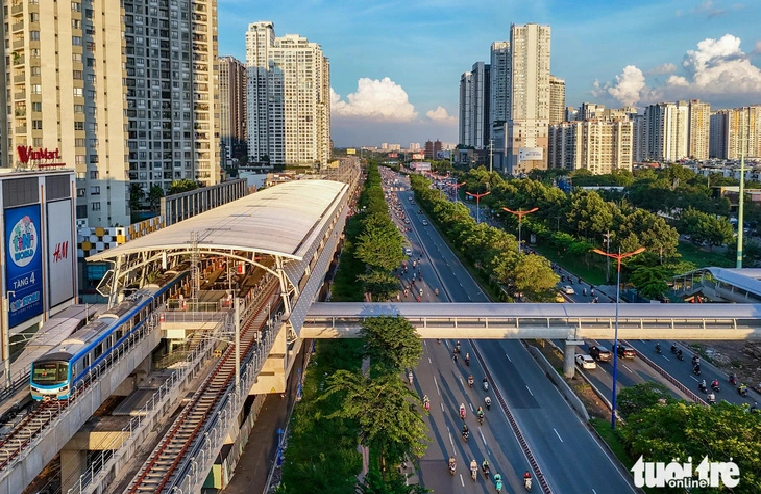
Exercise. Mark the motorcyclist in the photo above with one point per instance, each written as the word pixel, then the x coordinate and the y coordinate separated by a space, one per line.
pixel 584 291
pixel 703 385
pixel 733 378
pixel 673 348
pixel 462 410
pixel 711 398
pixel 679 354
pixel 485 467
pixel 743 389
pixel 452 464
pixel 715 383
pixel 657 348
pixel 470 381
pixel 467 358
pixel 410 377
pixel 436 291
pixel 457 346
pixel 486 384
pixel 696 369
pixel 497 481
pixel 473 468
pixel 465 432
pixel 454 356
pixel 527 480
pixel 488 403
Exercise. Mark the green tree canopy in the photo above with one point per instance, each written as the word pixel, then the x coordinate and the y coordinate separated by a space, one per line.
pixel 391 343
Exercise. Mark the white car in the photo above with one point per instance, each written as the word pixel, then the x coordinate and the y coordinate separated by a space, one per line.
pixel 425 222
pixel 585 361
pixel 567 290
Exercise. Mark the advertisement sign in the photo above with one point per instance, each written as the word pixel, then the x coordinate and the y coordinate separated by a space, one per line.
pixel 442 155
pixel 393 155
pixel 530 154
pixel 23 263
pixel 351 151
pixel 418 156
pixel 60 251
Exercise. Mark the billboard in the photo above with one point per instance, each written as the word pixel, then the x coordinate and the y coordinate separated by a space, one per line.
pixel 530 154
pixel 23 263
pixel 351 151
pixel 418 156
pixel 61 252
pixel 442 155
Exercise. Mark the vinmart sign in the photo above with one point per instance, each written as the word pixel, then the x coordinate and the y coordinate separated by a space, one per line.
pixel 27 154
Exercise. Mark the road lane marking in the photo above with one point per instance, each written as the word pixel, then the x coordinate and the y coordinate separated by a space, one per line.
pixel 450 440
pixel 442 406
pixel 532 394
pixel 693 377
pixel 594 491
pixel 462 481
pixel 625 367
pixel 508 359
pixel 461 381
pixel 437 385
pixel 667 359
pixel 471 406
pixel 429 360
pixel 483 438
pixel 556 432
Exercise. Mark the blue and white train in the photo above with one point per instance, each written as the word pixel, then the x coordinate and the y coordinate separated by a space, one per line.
pixel 57 372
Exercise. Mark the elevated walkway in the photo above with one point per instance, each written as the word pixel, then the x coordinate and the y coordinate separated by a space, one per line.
pixel 742 286
pixel 555 321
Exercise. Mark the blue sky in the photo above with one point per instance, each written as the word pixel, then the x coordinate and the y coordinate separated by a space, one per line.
pixel 396 65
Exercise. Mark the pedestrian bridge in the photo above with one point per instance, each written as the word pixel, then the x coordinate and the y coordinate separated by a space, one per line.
pixel 557 321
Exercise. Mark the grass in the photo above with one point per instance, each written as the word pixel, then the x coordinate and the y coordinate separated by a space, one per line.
pixel 613 440
pixel 703 258
pixel 593 274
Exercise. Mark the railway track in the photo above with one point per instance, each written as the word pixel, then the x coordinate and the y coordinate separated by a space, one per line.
pixel 28 428
pixel 159 471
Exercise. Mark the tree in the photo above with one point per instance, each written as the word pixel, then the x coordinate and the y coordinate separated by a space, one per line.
pixel 136 196
pixel 380 245
pixel 394 484
pixel 183 185
pixel 704 227
pixel 533 276
pixel 391 343
pixel 387 411
pixel 650 282
pixel 155 194
pixel 635 398
pixel 588 213
pixel 380 283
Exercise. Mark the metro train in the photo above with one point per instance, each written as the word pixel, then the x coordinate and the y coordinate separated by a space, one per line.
pixel 62 368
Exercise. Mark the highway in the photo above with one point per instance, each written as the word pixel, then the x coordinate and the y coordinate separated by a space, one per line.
pixel 565 449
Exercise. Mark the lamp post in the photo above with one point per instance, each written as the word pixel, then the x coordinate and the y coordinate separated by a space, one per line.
pixel 520 214
pixel 456 188
pixel 618 258
pixel 7 339
pixel 478 201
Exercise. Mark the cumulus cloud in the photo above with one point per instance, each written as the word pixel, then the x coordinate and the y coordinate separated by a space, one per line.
pixel 664 68
pixel 717 69
pixel 627 88
pixel 377 100
pixel 440 115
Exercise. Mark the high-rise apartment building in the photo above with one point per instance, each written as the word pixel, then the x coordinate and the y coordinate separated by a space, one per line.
pixel 666 129
pixel 474 111
pixel 744 132
pixel 64 91
pixel 232 106
pixel 172 91
pixel 288 98
pixel 594 145
pixel 557 100
pixel 571 114
pixel 432 149
pixel 699 129
pixel 529 98
pixel 718 134
pixel 499 86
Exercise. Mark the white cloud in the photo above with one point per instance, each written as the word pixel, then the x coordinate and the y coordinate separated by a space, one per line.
pixel 664 68
pixel 707 7
pixel 377 100
pixel 627 88
pixel 440 115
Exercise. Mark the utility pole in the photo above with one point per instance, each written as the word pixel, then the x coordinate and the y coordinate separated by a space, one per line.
pixel 607 245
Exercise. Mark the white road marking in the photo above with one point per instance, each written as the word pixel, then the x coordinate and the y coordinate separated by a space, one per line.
pixel 471 406
pixel 532 394
pixel 556 432
pixel 462 481
pixel 442 407
pixel 643 341
pixel 594 491
pixel 461 381
pixel 508 359
pixel 625 367
pixel 437 385
pixel 693 377
pixel 483 438
pixel 429 360
pixel 470 298
pixel 450 440
pixel 667 359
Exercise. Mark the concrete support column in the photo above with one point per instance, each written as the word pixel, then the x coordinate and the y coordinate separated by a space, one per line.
pixel 73 464
pixel 568 355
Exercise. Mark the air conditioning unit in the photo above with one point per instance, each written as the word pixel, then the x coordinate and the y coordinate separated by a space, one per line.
pixel 81 223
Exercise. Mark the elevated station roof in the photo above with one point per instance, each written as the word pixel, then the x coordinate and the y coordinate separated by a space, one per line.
pixel 748 279
pixel 283 220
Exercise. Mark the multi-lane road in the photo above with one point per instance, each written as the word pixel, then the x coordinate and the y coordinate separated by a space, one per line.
pixel 569 456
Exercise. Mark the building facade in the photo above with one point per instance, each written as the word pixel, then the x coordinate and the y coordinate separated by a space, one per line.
pixel 475 101
pixel 288 98
pixel 744 132
pixel 432 149
pixel 172 92
pixel 699 130
pixel 232 106
pixel 717 147
pixel 666 131
pixel 499 86
pixel 557 100
pixel 63 97
pixel 529 98
pixel 596 146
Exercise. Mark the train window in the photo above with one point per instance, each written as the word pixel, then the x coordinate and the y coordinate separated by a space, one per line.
pixel 98 351
pixel 49 372
pixel 86 362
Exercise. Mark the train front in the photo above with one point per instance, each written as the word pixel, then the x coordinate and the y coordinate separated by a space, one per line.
pixel 50 377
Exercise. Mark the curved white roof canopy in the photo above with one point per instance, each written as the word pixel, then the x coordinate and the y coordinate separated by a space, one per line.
pixel 283 220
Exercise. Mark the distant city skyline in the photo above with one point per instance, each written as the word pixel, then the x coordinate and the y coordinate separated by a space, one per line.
pixel 402 85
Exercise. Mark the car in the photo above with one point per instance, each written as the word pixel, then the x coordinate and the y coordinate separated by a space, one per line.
pixel 600 353
pixel 559 298
pixel 626 352
pixel 425 222
pixel 407 221
pixel 408 251
pixel 585 361
pixel 568 290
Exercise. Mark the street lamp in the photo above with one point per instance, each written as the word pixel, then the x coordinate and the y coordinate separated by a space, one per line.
pixel 478 200
pixel 520 214
pixel 456 195
pixel 7 338
pixel 618 258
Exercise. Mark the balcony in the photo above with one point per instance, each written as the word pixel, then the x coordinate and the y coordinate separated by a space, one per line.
pixel 18 44
pixel 21 112
pixel 19 78
pixel 17 9
pixel 19 26
pixel 21 130
pixel 21 95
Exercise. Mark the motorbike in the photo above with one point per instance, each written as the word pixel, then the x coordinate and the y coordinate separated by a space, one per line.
pixel 527 483
pixel 486 385
pixel 702 388
pixel 711 399
pixel 470 381
pixel 498 482
pixel 481 419
pixel 680 356
pixel 674 349
pixel 486 469
pixel 467 361
pixel 452 466
pixel 732 380
pixel 488 403
pixel 462 413
pixel 742 391
pixel 465 436
pixel 696 370
pixel 657 349
pixel 426 406
pixel 715 387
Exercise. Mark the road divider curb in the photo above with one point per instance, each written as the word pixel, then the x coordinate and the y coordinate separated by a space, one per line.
pixel 560 383
pixel 513 423
pixel 684 389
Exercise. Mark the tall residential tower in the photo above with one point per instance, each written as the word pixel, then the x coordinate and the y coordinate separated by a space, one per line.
pixel 475 129
pixel 557 100
pixel 232 106
pixel 288 98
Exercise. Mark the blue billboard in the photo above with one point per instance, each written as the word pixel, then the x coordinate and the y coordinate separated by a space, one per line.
pixel 23 263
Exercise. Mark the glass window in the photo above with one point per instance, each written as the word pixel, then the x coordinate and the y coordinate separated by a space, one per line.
pixel 50 372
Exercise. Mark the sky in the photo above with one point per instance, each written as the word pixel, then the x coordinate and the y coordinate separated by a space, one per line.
pixel 395 65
